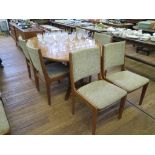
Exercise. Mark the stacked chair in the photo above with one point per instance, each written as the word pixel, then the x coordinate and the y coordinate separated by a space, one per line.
pixel 99 94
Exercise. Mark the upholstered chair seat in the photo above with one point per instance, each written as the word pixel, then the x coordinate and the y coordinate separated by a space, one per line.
pixel 101 93
pixel 4 125
pixel 56 69
pixel 127 80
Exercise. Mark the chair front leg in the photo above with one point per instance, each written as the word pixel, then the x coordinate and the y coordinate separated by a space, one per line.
pixel 143 93
pixel 48 93
pixel 73 103
pixel 121 108
pixel 94 120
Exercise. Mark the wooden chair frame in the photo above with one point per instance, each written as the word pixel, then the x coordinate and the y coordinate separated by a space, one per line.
pixel 94 110
pixel 104 73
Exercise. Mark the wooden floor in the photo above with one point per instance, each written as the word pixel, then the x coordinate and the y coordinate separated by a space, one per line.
pixel 28 112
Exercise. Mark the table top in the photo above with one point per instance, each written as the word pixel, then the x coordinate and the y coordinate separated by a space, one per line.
pixel 62 55
pixel 32 29
pixel 122 25
pixel 147 43
pixel 50 28
pixel 145 30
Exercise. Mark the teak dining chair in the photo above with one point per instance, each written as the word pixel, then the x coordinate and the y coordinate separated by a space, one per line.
pixel 102 39
pixel 98 94
pixel 22 44
pixel 114 56
pixel 49 73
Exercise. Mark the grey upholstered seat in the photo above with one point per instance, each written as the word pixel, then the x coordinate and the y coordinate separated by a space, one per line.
pixel 127 80
pixel 4 125
pixel 101 93
pixel 56 69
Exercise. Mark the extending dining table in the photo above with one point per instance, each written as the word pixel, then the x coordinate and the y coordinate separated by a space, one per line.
pixel 61 54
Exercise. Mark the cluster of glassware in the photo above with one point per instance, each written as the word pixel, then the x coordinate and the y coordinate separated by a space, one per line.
pixel 128 33
pixel 61 42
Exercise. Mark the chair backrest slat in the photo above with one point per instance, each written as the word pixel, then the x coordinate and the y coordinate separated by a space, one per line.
pixel 85 62
pixel 102 39
pixel 113 55
pixel 22 44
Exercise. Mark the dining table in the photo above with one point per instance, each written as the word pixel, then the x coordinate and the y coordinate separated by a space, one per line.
pixel 59 50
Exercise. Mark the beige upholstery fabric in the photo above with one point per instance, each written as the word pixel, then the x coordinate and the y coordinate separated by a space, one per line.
pixel 56 69
pixel 127 80
pixel 34 55
pixel 113 54
pixel 86 62
pixel 22 44
pixel 102 39
pixel 4 125
pixel 101 93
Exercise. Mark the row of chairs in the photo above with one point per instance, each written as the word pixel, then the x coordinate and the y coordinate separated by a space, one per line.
pixel 47 73
pixel 99 94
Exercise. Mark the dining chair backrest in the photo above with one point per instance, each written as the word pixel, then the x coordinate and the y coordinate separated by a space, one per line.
pixel 22 44
pixel 84 63
pixel 102 39
pixel 113 55
pixel 36 58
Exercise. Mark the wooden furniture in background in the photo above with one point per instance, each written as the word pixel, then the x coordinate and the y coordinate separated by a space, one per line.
pixel 16 31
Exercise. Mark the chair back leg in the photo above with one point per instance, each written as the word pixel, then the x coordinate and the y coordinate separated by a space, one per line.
pixel 28 68
pixel 94 120
pixel 121 108
pixel 143 93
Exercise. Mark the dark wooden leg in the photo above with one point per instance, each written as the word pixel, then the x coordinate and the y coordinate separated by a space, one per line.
pixel 121 108
pixel 68 93
pixel 36 79
pixel 59 81
pixel 90 79
pixel 73 104
pixel 143 93
pixel 28 68
pixel 94 120
pixel 1 65
pixel 48 93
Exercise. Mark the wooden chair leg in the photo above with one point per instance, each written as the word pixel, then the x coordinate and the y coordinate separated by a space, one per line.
pixel 143 93
pixel 90 79
pixel 36 79
pixel 73 104
pixel 68 93
pixel 29 70
pixel 121 108
pixel 94 120
pixel 48 93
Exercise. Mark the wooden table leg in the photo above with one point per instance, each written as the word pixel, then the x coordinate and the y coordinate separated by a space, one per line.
pixel 1 65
